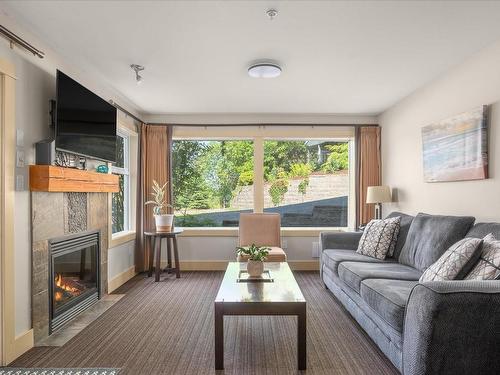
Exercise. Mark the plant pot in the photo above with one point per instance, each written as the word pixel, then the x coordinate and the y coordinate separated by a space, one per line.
pixel 255 268
pixel 164 222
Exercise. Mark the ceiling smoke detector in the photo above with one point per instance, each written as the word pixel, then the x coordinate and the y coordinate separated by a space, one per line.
pixel 137 68
pixel 264 70
pixel 272 13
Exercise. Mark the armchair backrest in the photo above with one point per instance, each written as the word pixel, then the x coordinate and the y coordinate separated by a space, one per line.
pixel 262 229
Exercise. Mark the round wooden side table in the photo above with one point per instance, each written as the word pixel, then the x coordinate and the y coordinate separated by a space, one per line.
pixel 155 249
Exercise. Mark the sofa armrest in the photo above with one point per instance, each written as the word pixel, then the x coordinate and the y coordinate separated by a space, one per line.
pixel 339 240
pixel 452 327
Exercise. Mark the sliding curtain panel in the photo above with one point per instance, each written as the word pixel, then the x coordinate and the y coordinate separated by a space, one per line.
pixel 368 169
pixel 155 147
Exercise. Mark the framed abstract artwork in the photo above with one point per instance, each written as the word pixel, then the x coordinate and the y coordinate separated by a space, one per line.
pixel 456 149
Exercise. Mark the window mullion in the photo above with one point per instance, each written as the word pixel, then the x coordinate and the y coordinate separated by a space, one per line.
pixel 258 179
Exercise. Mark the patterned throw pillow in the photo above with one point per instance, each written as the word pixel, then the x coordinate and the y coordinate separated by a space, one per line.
pixel 379 237
pixel 455 262
pixel 488 266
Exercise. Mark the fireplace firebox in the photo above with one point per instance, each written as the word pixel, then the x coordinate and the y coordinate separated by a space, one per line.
pixel 73 275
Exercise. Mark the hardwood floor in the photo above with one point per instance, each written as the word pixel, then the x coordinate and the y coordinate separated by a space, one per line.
pixel 167 328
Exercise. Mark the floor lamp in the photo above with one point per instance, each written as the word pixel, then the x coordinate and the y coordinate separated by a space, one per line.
pixel 378 195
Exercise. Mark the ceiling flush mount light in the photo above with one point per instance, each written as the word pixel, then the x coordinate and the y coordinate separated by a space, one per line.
pixel 137 68
pixel 264 70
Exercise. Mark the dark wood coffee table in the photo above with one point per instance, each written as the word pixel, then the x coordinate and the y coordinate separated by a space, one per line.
pixel 281 297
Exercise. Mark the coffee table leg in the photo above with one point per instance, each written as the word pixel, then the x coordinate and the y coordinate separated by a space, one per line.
pixel 158 258
pixel 302 339
pixel 219 337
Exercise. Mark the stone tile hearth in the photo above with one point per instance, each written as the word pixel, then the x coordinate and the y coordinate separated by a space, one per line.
pixel 56 215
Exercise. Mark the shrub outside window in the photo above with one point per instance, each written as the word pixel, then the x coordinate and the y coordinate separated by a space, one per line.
pixel 121 200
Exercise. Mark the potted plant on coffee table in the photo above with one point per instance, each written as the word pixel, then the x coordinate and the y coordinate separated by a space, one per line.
pixel 163 220
pixel 256 257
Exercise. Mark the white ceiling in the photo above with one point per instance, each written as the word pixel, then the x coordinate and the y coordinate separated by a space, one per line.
pixel 337 57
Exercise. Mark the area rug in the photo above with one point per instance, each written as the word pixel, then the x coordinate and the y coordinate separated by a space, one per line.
pixel 58 371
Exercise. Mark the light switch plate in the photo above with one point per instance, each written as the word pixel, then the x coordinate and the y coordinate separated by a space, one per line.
pixel 20 163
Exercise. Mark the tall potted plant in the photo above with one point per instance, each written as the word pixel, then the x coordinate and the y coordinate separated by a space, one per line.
pixel 163 220
pixel 256 257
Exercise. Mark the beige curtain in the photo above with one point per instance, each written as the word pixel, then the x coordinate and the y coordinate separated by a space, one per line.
pixel 368 169
pixel 154 164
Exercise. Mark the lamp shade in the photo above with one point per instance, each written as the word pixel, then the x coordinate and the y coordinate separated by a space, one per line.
pixel 378 194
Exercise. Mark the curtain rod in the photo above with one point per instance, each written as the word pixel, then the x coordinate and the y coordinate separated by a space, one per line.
pixel 14 39
pixel 119 107
pixel 259 124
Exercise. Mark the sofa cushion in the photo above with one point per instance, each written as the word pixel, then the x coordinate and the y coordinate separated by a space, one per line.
pixel 430 236
pixel 404 227
pixel 353 273
pixel 480 230
pixel 379 237
pixel 332 258
pixel 456 262
pixel 388 299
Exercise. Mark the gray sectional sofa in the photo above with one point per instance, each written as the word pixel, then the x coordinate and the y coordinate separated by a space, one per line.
pixel 446 327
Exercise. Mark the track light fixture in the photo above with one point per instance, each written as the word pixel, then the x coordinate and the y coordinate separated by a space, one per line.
pixel 137 68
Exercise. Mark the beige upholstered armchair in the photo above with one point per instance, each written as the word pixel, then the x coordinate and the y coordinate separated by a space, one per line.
pixel 262 230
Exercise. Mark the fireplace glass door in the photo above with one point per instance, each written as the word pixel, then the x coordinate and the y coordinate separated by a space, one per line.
pixel 74 273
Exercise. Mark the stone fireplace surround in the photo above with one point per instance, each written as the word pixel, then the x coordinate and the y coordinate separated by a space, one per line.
pixel 55 215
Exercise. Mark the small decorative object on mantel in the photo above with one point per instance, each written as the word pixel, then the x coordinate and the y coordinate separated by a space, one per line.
pixel 456 149
pixel 163 220
pixel 256 257
pixel 103 168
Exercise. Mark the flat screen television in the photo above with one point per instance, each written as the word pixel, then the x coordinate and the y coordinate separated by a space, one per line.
pixel 85 123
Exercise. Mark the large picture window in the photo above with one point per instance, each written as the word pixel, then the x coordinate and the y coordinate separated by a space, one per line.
pixel 121 200
pixel 304 174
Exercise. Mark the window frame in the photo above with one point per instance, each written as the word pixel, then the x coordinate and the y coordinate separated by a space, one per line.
pixel 259 134
pixel 129 170
pixel 125 172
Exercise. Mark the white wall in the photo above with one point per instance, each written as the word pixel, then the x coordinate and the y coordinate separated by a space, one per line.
pixel 120 259
pixel 472 83
pixel 34 88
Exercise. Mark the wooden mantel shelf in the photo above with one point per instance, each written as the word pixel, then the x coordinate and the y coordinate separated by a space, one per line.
pixel 50 178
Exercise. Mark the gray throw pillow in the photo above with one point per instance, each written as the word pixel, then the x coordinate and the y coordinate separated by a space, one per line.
pixel 379 237
pixel 455 262
pixel 488 266
pixel 430 236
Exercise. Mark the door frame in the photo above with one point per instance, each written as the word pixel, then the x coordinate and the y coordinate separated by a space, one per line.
pixel 10 347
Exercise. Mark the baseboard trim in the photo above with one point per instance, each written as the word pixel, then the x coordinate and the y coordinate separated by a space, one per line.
pixel 121 279
pixel 22 343
pixel 220 265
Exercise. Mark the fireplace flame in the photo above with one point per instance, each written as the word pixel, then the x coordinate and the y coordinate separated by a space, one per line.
pixel 61 283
